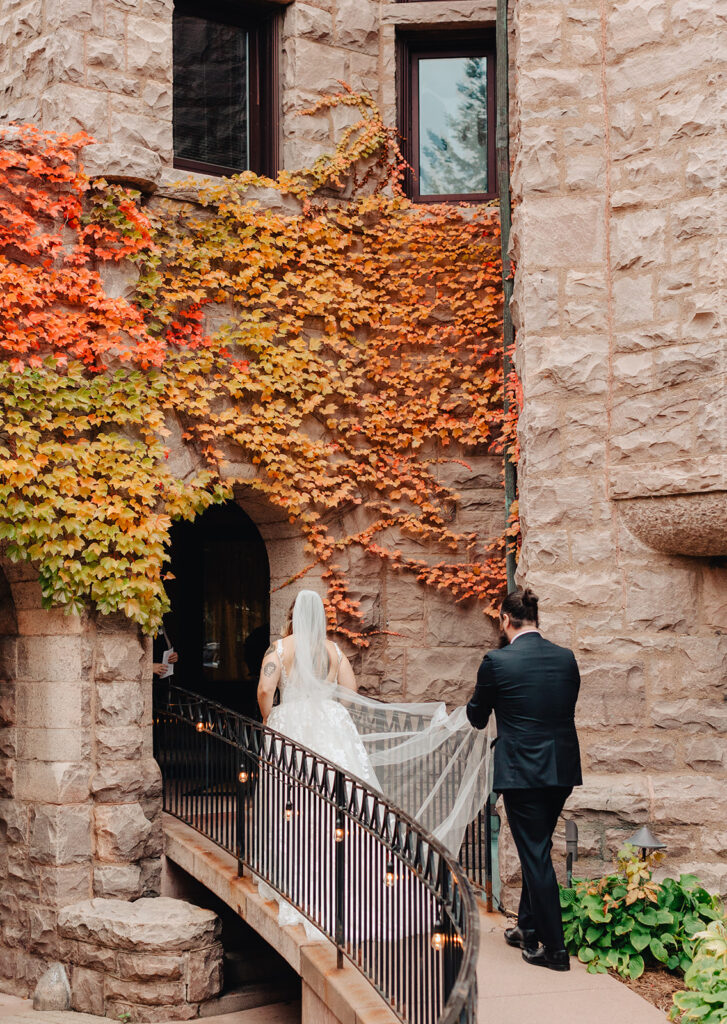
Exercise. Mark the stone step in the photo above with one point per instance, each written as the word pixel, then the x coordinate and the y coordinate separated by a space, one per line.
pixel 249 997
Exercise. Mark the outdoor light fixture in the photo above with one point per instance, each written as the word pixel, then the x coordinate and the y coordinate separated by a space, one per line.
pixel 571 848
pixel 243 776
pixel 288 811
pixel 390 877
pixel 200 725
pixel 438 937
pixel 646 841
pixel 339 833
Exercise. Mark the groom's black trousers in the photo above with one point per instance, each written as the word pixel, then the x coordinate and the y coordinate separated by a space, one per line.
pixel 532 815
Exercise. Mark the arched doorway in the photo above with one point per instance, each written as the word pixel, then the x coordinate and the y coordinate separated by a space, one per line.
pixel 220 596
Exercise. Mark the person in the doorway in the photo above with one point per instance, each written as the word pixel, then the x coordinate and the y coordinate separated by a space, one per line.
pixel 532 686
pixel 161 644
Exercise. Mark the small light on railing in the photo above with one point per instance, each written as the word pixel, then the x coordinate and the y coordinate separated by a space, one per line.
pixel 200 725
pixel 339 833
pixel 289 811
pixel 243 775
pixel 390 877
pixel 438 937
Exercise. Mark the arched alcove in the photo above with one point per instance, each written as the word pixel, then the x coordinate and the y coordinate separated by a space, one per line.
pixel 219 621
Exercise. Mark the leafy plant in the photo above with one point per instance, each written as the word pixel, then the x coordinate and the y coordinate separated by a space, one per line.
pixel 626 920
pixel 706 997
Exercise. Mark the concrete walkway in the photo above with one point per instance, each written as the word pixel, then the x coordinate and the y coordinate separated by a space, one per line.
pixel 20 1011
pixel 510 991
pixel 513 992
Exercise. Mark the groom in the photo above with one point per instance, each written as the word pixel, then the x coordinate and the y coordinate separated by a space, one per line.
pixel 532 686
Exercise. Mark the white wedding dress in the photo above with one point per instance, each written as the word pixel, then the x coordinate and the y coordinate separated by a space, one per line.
pixel 432 765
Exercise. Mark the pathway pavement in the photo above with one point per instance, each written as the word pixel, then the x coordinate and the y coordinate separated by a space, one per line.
pixel 513 992
pixel 20 1011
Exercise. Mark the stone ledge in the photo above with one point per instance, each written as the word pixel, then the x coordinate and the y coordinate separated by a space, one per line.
pixel 346 993
pixel 680 524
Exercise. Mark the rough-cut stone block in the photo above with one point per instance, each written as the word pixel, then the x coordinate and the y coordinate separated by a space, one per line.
pixel 50 704
pixel 204 974
pixel 119 704
pixel 561 232
pixel 119 744
pixel 303 21
pixel 649 753
pixel 117 881
pixel 61 835
pixel 148 47
pixel 633 24
pixel 539 35
pixel 623 796
pixel 119 657
pixel 42 935
pixel 357 25
pixel 662 600
pixel 148 925
pixel 127 781
pixel 147 993
pixel 689 715
pixel 87 991
pixel 57 782
pixel 73 108
pixel 97 958
pixel 57 660
pixel 147 967
pixel 122 832
pixel 689 799
pixel 61 884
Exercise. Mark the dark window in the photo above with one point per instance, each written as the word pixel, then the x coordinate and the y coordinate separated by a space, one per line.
pixel 225 88
pixel 447 116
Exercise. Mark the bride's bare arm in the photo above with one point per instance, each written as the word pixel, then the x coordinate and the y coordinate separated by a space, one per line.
pixel 269 679
pixel 345 675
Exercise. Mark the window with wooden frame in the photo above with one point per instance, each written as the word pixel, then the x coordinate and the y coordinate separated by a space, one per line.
pixel 225 87
pixel 447 115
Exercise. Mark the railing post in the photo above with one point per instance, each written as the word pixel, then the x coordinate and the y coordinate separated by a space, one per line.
pixel 488 855
pixel 340 865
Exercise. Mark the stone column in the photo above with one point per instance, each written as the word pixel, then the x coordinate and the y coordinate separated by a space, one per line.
pixel 80 807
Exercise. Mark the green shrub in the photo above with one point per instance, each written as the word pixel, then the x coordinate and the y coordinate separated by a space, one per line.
pixel 706 979
pixel 626 921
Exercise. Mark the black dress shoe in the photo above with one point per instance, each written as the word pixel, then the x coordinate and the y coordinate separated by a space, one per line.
pixel 554 959
pixel 522 938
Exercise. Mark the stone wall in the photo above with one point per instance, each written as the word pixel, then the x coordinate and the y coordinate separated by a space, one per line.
pixel 620 209
pixel 80 792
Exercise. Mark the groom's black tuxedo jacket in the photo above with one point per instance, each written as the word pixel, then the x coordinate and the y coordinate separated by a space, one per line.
pixel 532 686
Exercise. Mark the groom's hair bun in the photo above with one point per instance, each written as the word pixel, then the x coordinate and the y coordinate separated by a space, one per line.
pixel 522 606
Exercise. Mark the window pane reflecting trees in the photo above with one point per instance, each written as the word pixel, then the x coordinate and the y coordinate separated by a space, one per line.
pixel 453 144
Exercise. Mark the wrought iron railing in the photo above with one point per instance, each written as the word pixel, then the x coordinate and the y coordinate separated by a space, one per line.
pixel 389 897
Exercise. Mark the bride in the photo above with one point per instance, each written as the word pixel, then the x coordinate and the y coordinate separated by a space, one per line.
pixel 430 764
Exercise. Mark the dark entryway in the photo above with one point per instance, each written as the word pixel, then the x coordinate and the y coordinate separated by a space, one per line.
pixel 220 596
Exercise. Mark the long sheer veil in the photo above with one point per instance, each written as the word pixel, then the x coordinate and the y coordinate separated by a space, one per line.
pixel 432 764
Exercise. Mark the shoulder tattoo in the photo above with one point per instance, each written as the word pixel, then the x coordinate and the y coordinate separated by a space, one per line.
pixel 270 668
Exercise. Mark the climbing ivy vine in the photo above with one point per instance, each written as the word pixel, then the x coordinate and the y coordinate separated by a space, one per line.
pixel 317 326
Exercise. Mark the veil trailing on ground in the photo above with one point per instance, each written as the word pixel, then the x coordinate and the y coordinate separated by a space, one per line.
pixel 430 763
